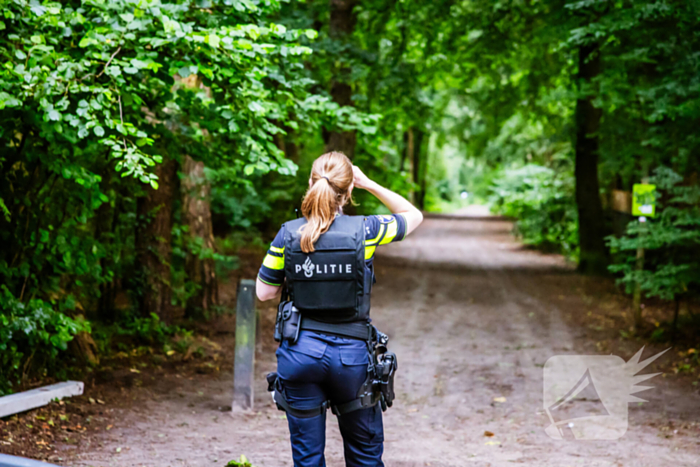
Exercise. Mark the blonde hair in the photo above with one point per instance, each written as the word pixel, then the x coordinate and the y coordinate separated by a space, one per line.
pixel 331 178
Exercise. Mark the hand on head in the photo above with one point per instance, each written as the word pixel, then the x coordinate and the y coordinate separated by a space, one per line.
pixel 360 180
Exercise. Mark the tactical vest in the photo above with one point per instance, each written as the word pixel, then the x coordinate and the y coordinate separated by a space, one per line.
pixel 333 283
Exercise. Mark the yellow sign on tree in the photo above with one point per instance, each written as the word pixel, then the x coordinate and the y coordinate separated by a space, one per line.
pixel 643 200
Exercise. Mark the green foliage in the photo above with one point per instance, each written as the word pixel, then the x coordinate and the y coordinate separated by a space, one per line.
pixel 148 330
pixel 542 201
pixel 33 334
pixel 671 242
pixel 241 462
pixel 184 245
pixel 94 94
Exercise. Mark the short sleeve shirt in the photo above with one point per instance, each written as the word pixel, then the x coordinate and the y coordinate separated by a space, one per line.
pixel 379 230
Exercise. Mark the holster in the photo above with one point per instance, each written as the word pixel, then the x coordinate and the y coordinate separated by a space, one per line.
pixel 275 386
pixel 287 324
pixel 386 369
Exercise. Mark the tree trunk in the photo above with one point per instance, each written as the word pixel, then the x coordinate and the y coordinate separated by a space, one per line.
pixel 83 346
pixel 153 241
pixel 106 231
pixel 341 27
pixel 591 224
pixel 418 169
pixel 407 142
pixel 196 214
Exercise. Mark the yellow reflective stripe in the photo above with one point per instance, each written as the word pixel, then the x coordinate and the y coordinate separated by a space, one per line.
pixel 268 283
pixel 369 251
pixel 273 262
pixel 392 227
pixel 376 239
pixel 274 249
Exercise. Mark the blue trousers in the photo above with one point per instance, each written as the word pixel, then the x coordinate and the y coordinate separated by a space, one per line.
pixel 322 367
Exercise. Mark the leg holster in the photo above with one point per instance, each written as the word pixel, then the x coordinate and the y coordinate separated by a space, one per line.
pixel 378 387
pixel 274 385
pixel 367 397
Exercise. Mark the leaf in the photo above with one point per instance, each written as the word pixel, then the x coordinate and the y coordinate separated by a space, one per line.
pixel 114 70
pixel 154 184
pixel 136 63
pixel 213 40
pixel 99 131
pixel 255 107
pixel 37 9
pixel 54 115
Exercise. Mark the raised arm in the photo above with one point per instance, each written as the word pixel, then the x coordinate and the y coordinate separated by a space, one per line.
pixel 396 203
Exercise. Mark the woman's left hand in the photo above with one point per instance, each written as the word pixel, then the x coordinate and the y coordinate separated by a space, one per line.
pixel 360 180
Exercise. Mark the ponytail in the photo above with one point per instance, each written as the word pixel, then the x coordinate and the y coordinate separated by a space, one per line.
pixel 331 179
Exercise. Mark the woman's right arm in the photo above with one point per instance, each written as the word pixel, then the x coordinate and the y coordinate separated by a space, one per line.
pixel 396 203
pixel 271 274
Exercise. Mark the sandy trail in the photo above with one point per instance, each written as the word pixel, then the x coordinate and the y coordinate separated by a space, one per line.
pixel 472 317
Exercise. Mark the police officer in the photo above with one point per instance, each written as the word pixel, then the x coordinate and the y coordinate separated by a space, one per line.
pixel 324 261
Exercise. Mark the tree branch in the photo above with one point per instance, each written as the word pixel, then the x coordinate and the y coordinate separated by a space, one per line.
pixel 109 61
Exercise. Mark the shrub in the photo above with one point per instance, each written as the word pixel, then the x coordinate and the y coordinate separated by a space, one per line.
pixel 671 242
pixel 542 202
pixel 33 335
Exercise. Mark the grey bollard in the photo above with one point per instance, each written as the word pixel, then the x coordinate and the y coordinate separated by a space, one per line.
pixel 244 362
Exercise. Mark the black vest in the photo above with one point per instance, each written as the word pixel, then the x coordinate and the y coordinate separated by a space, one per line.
pixel 333 283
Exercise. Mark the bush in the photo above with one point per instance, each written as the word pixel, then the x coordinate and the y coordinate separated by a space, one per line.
pixel 542 202
pixel 671 242
pixel 33 335
pixel 133 331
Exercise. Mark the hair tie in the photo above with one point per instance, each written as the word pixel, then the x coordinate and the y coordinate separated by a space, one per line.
pixel 327 179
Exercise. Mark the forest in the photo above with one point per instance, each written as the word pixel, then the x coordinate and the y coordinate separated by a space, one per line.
pixel 145 143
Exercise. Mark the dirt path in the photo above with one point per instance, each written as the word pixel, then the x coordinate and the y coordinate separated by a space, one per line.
pixel 472 317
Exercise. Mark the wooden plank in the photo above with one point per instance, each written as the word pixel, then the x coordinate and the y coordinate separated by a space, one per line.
pixel 27 400
pixel 12 461
pixel 244 362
